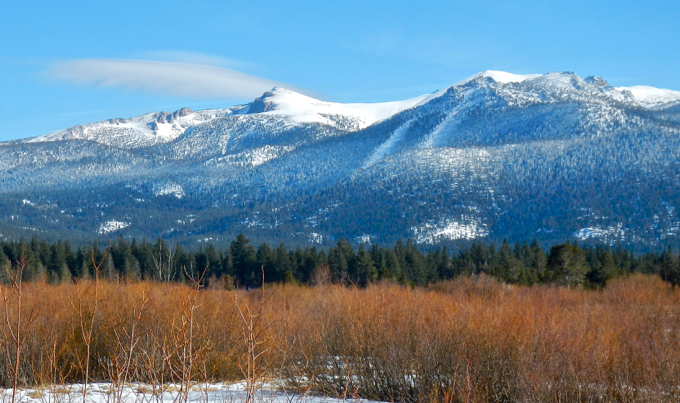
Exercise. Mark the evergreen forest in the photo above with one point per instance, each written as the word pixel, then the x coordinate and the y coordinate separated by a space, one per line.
pixel 243 265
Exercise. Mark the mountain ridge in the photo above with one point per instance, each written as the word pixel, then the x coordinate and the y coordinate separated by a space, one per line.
pixel 495 156
pixel 289 103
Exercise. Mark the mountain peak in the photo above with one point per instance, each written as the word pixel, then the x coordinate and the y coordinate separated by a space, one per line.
pixel 500 77
pixel 651 96
pixel 304 167
pixel 598 81
pixel 279 98
pixel 304 109
pixel 278 89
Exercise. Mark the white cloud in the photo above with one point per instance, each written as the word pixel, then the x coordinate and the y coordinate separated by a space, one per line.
pixel 181 56
pixel 161 77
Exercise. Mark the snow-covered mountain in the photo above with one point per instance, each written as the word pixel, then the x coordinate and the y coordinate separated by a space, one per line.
pixel 497 155
pixel 141 131
pixel 278 104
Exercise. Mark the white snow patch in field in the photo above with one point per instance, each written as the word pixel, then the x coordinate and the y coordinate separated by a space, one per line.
pixel 136 393
pixel 112 225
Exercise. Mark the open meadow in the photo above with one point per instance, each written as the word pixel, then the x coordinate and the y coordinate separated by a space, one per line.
pixel 469 339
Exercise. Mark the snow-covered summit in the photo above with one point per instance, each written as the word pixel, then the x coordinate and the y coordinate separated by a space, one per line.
pixel 651 97
pixel 554 156
pixel 303 109
pixel 282 108
pixel 500 77
pixel 141 131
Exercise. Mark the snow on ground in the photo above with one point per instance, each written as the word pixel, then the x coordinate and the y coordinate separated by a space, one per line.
pixel 315 237
pixel 365 238
pixel 430 233
pixel 163 127
pixel 139 393
pixel 650 96
pixel 140 131
pixel 500 77
pixel 608 235
pixel 112 225
pixel 385 148
pixel 303 109
pixel 174 189
pixel 252 157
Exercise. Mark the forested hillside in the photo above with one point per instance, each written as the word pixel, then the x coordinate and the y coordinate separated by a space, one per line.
pixel 553 157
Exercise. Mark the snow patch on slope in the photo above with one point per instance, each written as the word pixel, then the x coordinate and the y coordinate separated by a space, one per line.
pixel 174 189
pixel 315 237
pixel 252 158
pixel 609 235
pixel 303 109
pixel 650 96
pixel 389 144
pixel 112 225
pixel 141 131
pixel 500 77
pixel 267 153
pixel 467 228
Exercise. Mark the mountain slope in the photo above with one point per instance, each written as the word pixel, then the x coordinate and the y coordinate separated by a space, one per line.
pixel 494 156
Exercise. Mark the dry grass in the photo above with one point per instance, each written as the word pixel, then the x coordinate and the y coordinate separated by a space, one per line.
pixel 465 340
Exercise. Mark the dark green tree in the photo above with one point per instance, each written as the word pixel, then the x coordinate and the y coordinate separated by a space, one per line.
pixel 567 265
pixel 244 261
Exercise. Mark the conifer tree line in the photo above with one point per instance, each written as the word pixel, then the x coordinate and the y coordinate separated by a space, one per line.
pixel 241 264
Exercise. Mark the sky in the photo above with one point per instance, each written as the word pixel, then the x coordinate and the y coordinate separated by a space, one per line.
pixel 74 62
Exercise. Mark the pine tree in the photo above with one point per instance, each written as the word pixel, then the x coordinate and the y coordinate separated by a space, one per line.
pixel 670 270
pixel 537 268
pixel 567 265
pixel 108 271
pixel 265 259
pixel 212 261
pixel 65 274
pixel 366 272
pixel 244 260
pixel 416 267
pixel 392 266
pixel 602 267
pixel 511 268
pixel 281 263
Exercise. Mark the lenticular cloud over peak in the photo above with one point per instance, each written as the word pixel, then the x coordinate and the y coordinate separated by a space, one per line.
pixel 165 78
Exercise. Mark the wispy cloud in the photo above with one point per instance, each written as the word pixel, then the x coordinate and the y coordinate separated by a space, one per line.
pixel 173 78
pixel 181 56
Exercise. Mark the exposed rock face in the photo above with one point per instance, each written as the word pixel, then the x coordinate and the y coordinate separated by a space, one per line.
pixel 261 104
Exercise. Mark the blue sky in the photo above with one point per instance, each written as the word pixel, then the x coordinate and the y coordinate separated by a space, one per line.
pixel 72 62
